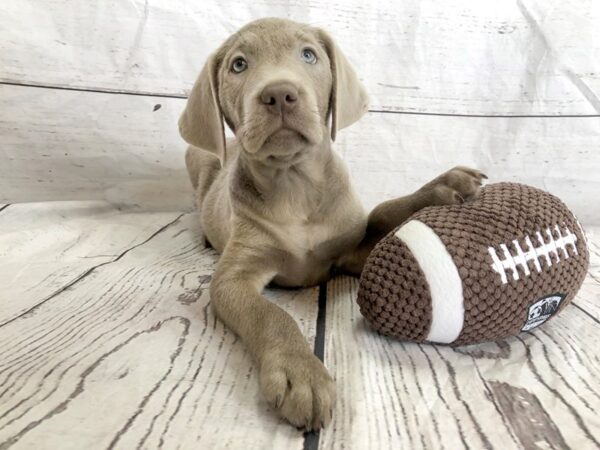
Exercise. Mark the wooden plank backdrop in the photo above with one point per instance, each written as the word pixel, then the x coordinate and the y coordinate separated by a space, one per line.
pixel 443 60
pixel 385 163
pixel 422 56
pixel 69 145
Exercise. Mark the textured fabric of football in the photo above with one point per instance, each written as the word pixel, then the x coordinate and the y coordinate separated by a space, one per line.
pixel 393 294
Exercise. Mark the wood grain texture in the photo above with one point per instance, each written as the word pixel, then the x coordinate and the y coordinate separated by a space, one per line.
pixel 65 145
pixel 527 417
pixel 390 155
pixel 539 390
pixel 589 296
pixel 46 247
pixel 464 57
pixel 131 356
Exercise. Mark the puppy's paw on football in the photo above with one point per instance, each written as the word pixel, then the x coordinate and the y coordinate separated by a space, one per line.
pixel 456 186
pixel 299 387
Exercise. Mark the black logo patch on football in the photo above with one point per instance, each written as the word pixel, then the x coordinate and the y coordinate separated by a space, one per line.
pixel 542 310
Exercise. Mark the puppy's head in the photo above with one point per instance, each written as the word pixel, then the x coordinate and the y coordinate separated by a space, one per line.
pixel 276 83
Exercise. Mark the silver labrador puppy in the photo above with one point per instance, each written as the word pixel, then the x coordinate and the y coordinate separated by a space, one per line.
pixel 277 202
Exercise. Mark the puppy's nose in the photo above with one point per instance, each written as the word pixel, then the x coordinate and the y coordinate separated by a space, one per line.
pixel 279 97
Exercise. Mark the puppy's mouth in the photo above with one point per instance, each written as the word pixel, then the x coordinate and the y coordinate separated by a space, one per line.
pixel 286 159
pixel 275 135
pixel 285 133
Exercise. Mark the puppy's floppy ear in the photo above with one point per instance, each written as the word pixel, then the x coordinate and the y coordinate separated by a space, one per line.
pixel 201 123
pixel 349 99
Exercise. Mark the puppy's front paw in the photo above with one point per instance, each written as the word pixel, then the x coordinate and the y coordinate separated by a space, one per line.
pixel 299 387
pixel 456 186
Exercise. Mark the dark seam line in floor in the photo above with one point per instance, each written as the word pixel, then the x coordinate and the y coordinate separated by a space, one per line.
pixel 322 313
pixel 4 207
pixel 311 440
pixel 377 111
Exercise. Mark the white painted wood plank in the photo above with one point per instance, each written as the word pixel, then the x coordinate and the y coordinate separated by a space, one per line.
pixel 391 155
pixel 132 356
pixel 73 145
pixel 47 246
pixel 64 145
pixel 484 57
pixel 589 296
pixel 539 390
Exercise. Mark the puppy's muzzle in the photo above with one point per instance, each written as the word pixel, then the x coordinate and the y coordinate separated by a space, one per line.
pixel 280 97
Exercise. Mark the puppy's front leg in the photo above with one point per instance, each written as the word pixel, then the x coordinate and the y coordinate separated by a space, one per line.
pixel 452 187
pixel 292 378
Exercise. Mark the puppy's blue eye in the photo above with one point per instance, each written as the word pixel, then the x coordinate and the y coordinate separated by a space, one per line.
pixel 239 65
pixel 308 56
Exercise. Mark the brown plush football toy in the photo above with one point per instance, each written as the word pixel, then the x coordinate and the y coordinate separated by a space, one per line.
pixel 481 271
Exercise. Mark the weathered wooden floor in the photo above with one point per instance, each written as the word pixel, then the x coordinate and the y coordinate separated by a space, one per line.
pixel 108 341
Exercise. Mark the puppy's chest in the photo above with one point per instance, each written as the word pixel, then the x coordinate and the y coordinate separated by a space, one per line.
pixel 314 227
pixel 312 247
pixel 317 236
pixel 304 235
pixel 302 225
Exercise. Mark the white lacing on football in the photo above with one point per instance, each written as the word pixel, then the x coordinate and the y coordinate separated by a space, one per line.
pixel 548 250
